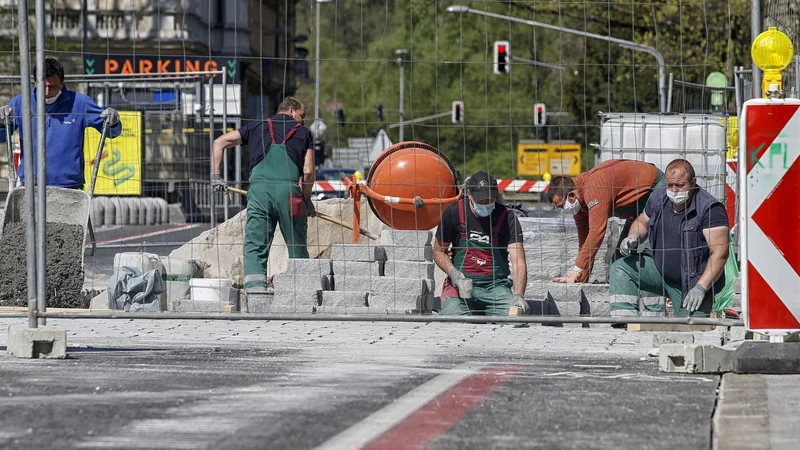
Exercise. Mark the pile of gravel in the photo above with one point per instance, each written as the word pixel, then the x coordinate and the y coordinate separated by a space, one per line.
pixel 64 271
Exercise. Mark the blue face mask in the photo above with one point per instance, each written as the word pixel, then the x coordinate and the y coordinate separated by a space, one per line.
pixel 483 210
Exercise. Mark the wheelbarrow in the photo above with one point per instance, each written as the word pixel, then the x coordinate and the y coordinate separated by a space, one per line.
pixel 64 206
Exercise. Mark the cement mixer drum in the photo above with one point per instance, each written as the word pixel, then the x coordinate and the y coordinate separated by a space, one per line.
pixel 412 170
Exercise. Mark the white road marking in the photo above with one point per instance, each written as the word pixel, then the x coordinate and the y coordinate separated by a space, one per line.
pixel 387 417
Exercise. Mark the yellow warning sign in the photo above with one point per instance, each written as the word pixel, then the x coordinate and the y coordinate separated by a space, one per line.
pixel 120 171
pixel 537 159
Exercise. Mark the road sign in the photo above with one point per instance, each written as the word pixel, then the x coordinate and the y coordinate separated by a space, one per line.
pixel 769 173
pixel 379 144
pixel 318 128
pixel 536 159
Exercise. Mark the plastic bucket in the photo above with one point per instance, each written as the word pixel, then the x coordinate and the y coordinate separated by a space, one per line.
pixel 211 290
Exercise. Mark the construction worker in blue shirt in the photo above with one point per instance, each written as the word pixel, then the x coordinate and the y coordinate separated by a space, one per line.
pixel 69 113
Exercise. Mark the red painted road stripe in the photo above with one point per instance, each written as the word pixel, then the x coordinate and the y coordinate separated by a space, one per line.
pixel 430 422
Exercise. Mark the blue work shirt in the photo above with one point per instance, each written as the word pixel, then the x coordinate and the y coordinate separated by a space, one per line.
pixel 66 121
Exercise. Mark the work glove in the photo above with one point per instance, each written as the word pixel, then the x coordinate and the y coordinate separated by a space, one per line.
pixel 694 298
pixel 310 210
pixel 629 245
pixel 5 114
pixel 462 284
pixel 217 183
pixel 111 116
pixel 520 303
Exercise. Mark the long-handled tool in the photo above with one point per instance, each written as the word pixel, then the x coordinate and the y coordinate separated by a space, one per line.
pixel 12 174
pixel 330 219
pixel 93 181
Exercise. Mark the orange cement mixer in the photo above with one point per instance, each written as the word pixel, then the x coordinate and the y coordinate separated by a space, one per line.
pixel 408 187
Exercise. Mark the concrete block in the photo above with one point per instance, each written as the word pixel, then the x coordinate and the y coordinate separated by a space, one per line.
pixel 298 282
pixel 736 302
pixel 695 358
pixel 354 310
pixel 99 301
pixel 406 238
pixel 409 269
pixel 413 286
pixel 357 252
pixel 41 342
pixel 400 303
pixel 420 254
pixel 296 298
pixel 187 305
pixel 767 357
pixel 176 215
pixel 737 285
pixel 356 268
pixel 309 266
pixel 346 299
pixel 660 339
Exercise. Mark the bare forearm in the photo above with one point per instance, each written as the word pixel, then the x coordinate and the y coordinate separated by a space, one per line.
pixel 520 278
pixel 216 161
pixel 639 229
pixel 227 140
pixel 443 261
pixel 714 269
pixel 308 185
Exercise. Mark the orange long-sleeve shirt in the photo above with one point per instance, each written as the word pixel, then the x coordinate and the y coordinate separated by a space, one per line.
pixel 602 191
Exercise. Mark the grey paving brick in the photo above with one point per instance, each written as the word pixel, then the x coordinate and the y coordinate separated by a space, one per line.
pixel 355 268
pixel 309 266
pixel 189 305
pixel 298 282
pixel 406 238
pixel 409 269
pixel 346 299
pixel 356 252
pixel 295 298
pixel 414 286
pixel 421 254
pixel 351 310
pixel 399 302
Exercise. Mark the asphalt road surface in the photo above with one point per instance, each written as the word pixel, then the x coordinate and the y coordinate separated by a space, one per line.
pixel 303 385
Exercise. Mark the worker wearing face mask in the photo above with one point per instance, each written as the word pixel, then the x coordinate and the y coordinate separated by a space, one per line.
pixel 688 232
pixel 482 235
pixel 618 188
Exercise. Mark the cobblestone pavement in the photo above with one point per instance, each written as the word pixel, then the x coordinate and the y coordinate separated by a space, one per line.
pixel 293 384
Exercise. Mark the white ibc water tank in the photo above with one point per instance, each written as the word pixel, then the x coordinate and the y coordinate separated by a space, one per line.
pixel 659 139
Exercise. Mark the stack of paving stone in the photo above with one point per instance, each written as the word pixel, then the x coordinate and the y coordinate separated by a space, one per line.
pixel 551 248
pixel 394 277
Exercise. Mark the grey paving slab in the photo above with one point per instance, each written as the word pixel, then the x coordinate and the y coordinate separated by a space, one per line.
pixel 356 252
pixel 350 298
pixel 409 269
pixel 298 282
pixel 309 266
pixel 406 238
pixel 355 268
pixel 420 254
pixel 409 286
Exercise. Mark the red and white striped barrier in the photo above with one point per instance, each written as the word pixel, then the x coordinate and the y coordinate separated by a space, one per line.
pixel 532 186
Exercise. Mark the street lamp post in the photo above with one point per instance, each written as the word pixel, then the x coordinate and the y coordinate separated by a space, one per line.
pixel 401 54
pixel 662 66
pixel 316 66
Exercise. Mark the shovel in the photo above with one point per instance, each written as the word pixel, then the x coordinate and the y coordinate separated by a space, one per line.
pixel 330 219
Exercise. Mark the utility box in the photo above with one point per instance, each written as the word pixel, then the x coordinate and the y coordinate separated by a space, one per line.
pixel 659 139
pixel 536 158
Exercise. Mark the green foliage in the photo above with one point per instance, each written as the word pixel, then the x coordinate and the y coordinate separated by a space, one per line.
pixel 451 60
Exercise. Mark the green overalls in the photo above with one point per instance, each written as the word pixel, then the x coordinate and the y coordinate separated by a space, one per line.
pixel 273 183
pixel 484 264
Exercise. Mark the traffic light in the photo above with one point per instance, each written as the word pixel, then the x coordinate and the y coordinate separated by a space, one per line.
pixel 540 115
pixel 340 119
pixel 502 57
pixel 379 112
pixel 319 152
pixel 458 112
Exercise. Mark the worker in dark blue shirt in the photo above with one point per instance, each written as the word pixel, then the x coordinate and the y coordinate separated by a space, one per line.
pixel 281 154
pixel 688 232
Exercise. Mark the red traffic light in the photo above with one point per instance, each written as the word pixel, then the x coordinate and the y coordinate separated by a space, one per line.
pixel 501 48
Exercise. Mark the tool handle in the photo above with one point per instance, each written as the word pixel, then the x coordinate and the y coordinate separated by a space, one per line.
pixel 322 216
pixel 12 174
pixel 96 167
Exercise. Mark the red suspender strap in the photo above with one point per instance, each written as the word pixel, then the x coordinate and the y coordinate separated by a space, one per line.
pixel 271 132
pixel 461 221
pixel 500 220
pixel 290 133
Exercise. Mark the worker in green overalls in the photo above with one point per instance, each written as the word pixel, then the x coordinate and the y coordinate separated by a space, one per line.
pixel 482 235
pixel 281 153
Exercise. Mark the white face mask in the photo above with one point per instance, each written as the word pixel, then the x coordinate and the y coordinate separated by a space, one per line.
pixel 571 206
pixel 51 100
pixel 679 197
